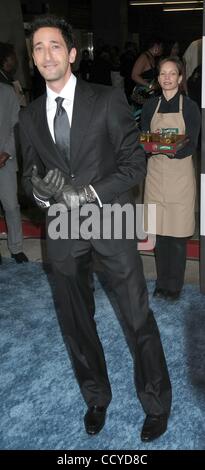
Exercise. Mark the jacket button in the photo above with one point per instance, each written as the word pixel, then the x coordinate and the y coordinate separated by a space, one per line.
pixel 72 176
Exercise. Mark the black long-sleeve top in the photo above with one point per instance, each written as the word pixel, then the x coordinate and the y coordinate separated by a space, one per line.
pixel 191 115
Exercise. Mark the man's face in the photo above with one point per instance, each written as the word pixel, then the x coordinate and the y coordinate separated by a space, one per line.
pixel 51 55
pixel 11 64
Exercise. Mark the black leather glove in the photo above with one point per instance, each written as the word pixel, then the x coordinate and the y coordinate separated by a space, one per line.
pixel 73 198
pixel 47 187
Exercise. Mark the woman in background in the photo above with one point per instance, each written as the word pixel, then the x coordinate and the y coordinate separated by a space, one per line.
pixel 145 68
pixel 170 183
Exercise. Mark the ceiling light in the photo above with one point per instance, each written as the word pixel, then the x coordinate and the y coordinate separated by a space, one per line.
pixel 183 9
pixel 165 3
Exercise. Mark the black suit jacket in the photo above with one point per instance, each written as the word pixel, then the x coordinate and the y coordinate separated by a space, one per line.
pixel 104 148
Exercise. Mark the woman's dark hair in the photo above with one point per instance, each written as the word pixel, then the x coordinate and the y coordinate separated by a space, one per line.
pixel 173 59
pixel 168 46
pixel 52 21
pixel 154 40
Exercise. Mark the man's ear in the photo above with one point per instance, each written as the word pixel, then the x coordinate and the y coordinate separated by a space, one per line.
pixel 72 55
pixel 33 59
pixel 180 79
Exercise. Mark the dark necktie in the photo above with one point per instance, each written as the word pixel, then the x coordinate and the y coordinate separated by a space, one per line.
pixel 62 129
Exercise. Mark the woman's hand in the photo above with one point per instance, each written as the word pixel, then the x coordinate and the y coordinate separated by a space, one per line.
pixel 3 158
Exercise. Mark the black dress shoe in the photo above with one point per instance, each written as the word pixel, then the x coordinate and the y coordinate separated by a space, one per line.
pixel 153 427
pixel 20 257
pixel 173 295
pixel 160 293
pixel 95 419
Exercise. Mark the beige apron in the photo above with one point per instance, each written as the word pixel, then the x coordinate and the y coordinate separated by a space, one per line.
pixel 170 183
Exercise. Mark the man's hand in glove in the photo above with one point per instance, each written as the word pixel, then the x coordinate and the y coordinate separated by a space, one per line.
pixel 49 186
pixel 73 198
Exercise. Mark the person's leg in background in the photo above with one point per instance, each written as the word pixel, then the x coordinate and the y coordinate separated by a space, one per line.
pixel 8 197
pixel 170 257
pixel 162 260
pixel 177 266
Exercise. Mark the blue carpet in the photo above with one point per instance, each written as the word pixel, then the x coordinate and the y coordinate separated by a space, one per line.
pixel 40 404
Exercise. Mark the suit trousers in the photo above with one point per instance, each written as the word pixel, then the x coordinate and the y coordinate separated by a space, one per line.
pixel 8 198
pixel 75 307
pixel 170 256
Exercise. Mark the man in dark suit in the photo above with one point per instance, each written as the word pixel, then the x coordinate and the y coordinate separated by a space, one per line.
pixel 87 155
pixel 8 67
pixel 9 111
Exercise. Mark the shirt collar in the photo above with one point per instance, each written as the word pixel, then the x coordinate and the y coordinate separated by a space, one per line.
pixel 67 92
pixel 173 99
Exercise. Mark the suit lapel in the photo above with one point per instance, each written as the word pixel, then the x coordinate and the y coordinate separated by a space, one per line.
pixel 84 100
pixel 82 111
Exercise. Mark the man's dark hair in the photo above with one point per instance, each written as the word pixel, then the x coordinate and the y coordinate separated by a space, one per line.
pixel 52 21
pixel 6 50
